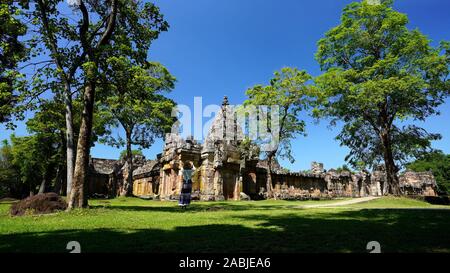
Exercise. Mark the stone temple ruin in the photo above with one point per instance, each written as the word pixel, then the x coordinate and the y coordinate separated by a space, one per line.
pixel 226 172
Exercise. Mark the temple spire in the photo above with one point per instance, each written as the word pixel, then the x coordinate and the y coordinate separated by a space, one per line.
pixel 225 101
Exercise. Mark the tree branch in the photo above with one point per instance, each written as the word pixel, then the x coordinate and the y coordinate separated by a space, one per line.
pixel 111 25
pixel 37 63
pixel 51 39
pixel 84 30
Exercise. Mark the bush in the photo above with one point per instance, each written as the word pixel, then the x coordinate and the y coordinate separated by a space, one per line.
pixel 39 204
pixel 439 164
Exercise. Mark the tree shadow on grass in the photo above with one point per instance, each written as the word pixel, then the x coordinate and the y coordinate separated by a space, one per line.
pixel 346 231
pixel 196 207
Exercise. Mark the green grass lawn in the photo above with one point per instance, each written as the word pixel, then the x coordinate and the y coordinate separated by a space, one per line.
pixel 135 225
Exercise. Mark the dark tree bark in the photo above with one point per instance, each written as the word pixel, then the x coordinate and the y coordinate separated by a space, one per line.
pixel 80 178
pixel 271 155
pixel 269 184
pixel 127 189
pixel 391 169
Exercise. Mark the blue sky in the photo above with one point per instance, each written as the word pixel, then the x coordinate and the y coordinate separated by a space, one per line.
pixel 222 47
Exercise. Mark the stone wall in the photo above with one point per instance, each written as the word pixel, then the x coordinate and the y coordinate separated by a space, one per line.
pixel 146 186
pixel 418 183
pixel 225 178
pixel 299 186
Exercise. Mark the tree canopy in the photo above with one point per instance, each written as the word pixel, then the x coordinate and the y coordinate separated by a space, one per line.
pixel 123 154
pixel 438 163
pixel 135 101
pixel 12 52
pixel 9 177
pixel 288 94
pixel 378 75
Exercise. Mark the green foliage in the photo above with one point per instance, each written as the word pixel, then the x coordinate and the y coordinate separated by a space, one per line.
pixel 134 100
pixel 59 38
pixel 123 154
pixel 34 157
pixel 55 53
pixel 139 23
pixel 378 73
pixel 66 52
pixel 248 149
pixel 289 91
pixel 8 172
pixel 41 154
pixel 12 51
pixel 344 168
pixel 439 164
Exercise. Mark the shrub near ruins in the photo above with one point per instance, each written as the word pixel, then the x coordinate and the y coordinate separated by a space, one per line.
pixel 39 204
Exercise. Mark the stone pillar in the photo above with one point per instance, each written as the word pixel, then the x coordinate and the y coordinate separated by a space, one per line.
pixel 239 188
pixel 218 186
pixel 207 178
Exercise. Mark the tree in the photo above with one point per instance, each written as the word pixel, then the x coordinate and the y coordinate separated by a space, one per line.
pixel 287 94
pixel 62 45
pixel 130 25
pixel 48 127
pixel 46 144
pixel 344 168
pixel 135 102
pixel 378 74
pixel 9 182
pixel 12 51
pixel 123 154
pixel 34 156
pixel 438 163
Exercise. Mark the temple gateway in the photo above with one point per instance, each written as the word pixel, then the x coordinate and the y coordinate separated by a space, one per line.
pixel 224 171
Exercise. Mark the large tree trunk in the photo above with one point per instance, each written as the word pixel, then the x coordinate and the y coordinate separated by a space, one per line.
pixel 127 189
pixel 77 197
pixel 392 180
pixel 70 153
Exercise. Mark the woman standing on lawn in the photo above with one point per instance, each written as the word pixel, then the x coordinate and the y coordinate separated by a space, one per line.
pixel 186 188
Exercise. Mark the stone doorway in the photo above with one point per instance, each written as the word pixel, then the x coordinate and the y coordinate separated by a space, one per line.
pixel 230 191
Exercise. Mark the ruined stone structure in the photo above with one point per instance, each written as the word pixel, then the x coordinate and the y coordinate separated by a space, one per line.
pixel 218 161
pixel 224 171
pixel 104 177
pixel 146 179
pixel 107 176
